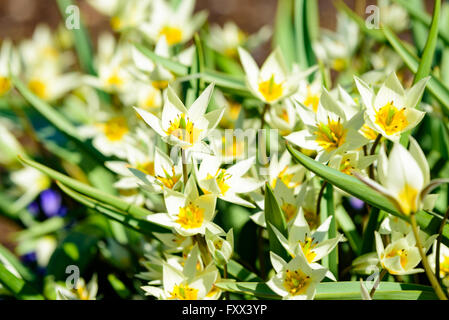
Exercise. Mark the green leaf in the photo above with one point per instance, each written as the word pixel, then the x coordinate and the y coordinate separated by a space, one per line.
pixel 347 225
pixel 227 64
pixel 342 290
pixel 301 33
pixel 40 229
pixel 331 261
pixel 435 86
pixel 140 225
pixel 425 65
pixel 231 84
pixel 176 67
pixel 284 36
pixel 118 286
pixel 18 287
pixel 82 41
pixel 239 272
pixel 368 233
pixel 24 272
pixel 87 190
pixel 428 222
pixel 274 216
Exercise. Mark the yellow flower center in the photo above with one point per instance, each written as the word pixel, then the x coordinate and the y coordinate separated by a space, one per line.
pixel 191 216
pixel 289 211
pixel 173 35
pixel 331 136
pixel 115 128
pixel 116 23
pixel 221 177
pixel 311 218
pixel 169 180
pixel 286 178
pixel 339 64
pixel 407 199
pixel 232 150
pixel 390 119
pixel 270 89
pixel 307 248
pixel 184 129
pixel 402 253
pixel 346 167
pixel 184 292
pixel 5 85
pixel 368 133
pixel 38 88
pixel 444 266
pixel 146 167
pixel 311 100
pixel 160 84
pixel 114 79
pixel 82 292
pixel 296 282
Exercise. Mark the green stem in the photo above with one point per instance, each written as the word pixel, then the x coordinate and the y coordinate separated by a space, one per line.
pixel 440 236
pixel 433 280
pixel 184 166
pixel 372 151
pixel 225 276
pixel 378 280
pixel 205 255
pixel 320 196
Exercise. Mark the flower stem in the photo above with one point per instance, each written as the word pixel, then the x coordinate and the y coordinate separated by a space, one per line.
pixel 205 254
pixel 225 276
pixel 376 284
pixel 372 151
pixel 440 236
pixel 184 166
pixel 264 111
pixel 320 196
pixel 433 280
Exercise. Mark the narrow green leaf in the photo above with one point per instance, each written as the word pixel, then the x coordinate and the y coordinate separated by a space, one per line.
pixel 40 229
pixel 342 290
pixel 347 225
pixel 239 272
pixel 435 86
pixel 274 216
pixel 284 36
pixel 228 65
pixel 18 287
pixel 427 222
pixel 176 67
pixel 24 272
pixel 230 83
pixel 118 286
pixel 140 225
pixel 301 33
pixel 332 259
pixel 368 233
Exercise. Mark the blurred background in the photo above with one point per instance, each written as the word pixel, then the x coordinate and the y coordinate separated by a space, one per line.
pixel 18 19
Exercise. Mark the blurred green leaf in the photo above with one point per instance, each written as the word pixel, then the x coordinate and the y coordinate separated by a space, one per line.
pixel 118 286
pixel 349 229
pixel 284 36
pixel 21 289
pixel 176 67
pixel 24 272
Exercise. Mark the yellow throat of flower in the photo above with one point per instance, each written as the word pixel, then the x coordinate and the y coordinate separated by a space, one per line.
pixel 184 129
pixel 444 266
pixel 184 292
pixel 114 80
pixel 5 85
pixel 401 253
pixel 346 167
pixel 115 129
pixel 408 199
pixel 234 149
pixel 271 90
pixel 296 282
pixel 191 216
pixel 307 248
pixel 289 210
pixel 368 133
pixel 38 87
pixel 312 100
pixel 390 119
pixel 331 136
pixel 169 180
pixel 173 35
pixel 221 177
pixel 146 167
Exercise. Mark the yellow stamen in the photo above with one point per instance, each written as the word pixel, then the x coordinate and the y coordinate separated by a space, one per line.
pixel 221 177
pixel 331 136
pixel 444 266
pixel 184 129
pixel 270 89
pixel 160 84
pixel 184 292
pixel 401 253
pixel 173 35
pixel 191 216
pixel 169 181
pixel 114 79
pixel 368 133
pixel 311 100
pixel 5 85
pixel 307 248
pixel 346 167
pixel 115 129
pixel 390 119
pixel 289 210
pixel 147 168
pixel 408 199
pixel 339 64
pixel 38 88
pixel 296 282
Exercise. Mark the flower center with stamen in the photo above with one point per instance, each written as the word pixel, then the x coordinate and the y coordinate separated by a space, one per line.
pixel 146 167
pixel 184 129
pixel 296 282
pixel 390 119
pixel 271 90
pixel 5 85
pixel 289 211
pixel 307 248
pixel 169 180
pixel 115 128
pixel 401 253
pixel 190 217
pixel 331 136
pixel 339 64
pixel 173 35
pixel 312 100
pixel 444 266
pixel 221 177
pixel 114 80
pixel 184 292
pixel 408 199
pixel 346 167
pixel 38 88
pixel 368 133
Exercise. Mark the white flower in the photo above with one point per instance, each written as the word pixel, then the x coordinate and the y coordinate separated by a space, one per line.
pixel 176 24
pixel 282 116
pixel 221 249
pixel 405 178
pixel 272 82
pixel 226 183
pixel 295 280
pixel 332 130
pixel 80 292
pixel 351 160
pixel 292 175
pixel 9 65
pixel 444 262
pixel 181 127
pixel 188 213
pixel 392 111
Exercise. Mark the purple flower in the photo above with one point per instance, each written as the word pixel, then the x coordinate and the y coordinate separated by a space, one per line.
pixel 50 202
pixel 355 203
pixel 33 208
pixel 29 257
